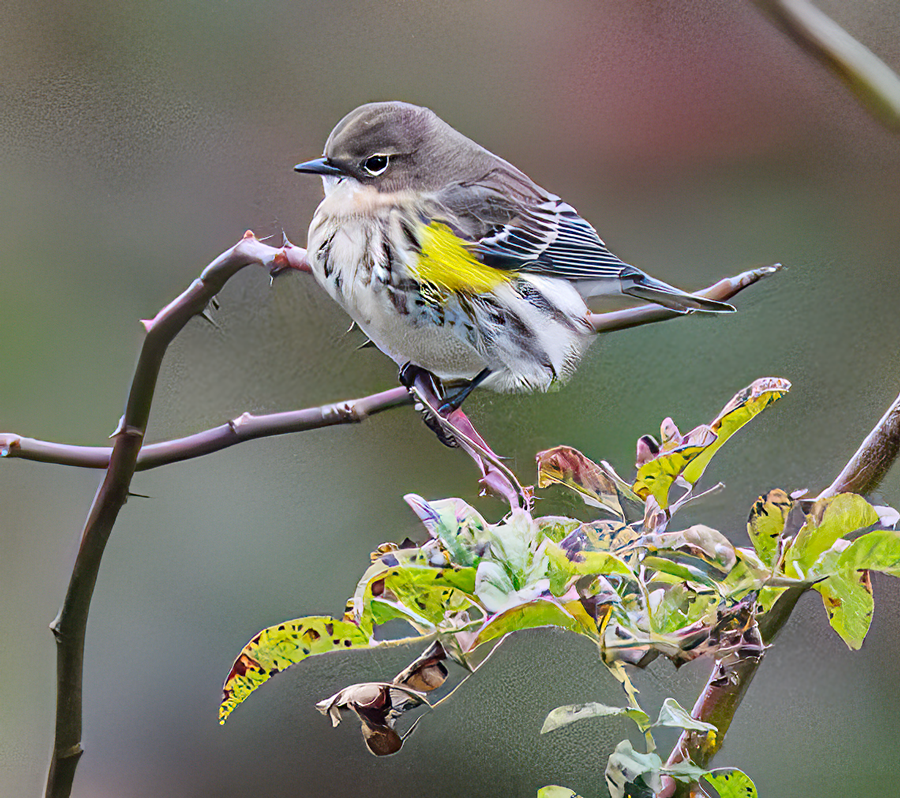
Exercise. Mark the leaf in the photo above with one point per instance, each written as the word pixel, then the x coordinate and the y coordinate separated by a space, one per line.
pixel 555 791
pixel 566 466
pixel 587 562
pixel 453 522
pixel 279 647
pixel 571 713
pixel 416 592
pixel 765 525
pixel 629 767
pixel 495 589
pixel 514 545
pixel 829 519
pixel 731 783
pixel 533 614
pixel 689 457
pixel 656 477
pixel 744 405
pixel 875 551
pixel 672 714
pixel 849 604
pixel 699 546
pixel 379 704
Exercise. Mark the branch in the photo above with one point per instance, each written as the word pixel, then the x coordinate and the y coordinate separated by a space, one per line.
pixel 70 625
pixel 249 427
pixel 648 314
pixel 873 82
pixel 722 696
pixel 873 459
pixel 245 427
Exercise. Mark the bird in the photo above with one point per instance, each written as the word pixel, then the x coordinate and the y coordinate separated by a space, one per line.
pixel 454 262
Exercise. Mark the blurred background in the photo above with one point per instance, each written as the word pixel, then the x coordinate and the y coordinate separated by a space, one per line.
pixel 140 139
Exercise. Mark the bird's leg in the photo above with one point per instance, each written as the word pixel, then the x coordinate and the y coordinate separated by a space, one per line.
pixel 411 373
pixel 454 400
pixel 428 389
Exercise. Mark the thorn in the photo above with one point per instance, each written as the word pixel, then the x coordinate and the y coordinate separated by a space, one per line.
pixel 204 314
pixel 215 303
pixel 147 324
pixel 137 495
pixel 368 344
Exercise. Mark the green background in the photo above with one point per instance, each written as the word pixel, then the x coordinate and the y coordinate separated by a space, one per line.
pixel 140 139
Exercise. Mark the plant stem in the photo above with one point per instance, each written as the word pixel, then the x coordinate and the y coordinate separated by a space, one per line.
pixel 70 625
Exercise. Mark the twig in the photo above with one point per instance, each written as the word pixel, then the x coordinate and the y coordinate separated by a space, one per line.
pixel 647 314
pixel 249 427
pixel 245 427
pixel 71 623
pixel 873 82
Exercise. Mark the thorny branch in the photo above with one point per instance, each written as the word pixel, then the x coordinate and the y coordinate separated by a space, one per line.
pixel 70 625
pixel 129 454
pixel 249 427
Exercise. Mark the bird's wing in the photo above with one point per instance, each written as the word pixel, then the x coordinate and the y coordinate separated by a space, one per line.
pixel 521 228
pixel 515 226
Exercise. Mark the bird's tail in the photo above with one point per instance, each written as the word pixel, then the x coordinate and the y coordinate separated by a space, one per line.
pixel 636 283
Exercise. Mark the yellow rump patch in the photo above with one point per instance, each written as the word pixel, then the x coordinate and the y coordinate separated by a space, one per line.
pixel 446 263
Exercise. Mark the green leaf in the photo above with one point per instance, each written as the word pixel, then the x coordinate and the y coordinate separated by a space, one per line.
pixel 571 616
pixel 555 791
pixel 279 647
pixel 849 604
pixel 731 783
pixel 765 525
pixel 563 716
pixel 515 545
pixel 672 714
pixel 683 571
pixel 829 519
pixel 875 551
pixel 453 522
pixel 429 592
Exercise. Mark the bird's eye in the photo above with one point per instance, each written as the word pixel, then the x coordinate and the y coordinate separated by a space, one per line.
pixel 376 164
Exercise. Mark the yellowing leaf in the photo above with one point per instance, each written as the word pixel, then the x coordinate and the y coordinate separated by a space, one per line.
pixel 279 647
pixel 689 459
pixel 731 783
pixel 743 406
pixel 766 523
pixel 830 518
pixel 849 604
pixel 571 616
pixel 555 791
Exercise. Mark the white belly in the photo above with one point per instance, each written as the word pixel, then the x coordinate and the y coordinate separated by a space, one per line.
pixel 524 346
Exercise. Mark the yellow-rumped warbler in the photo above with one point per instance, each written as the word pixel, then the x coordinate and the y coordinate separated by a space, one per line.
pixel 452 260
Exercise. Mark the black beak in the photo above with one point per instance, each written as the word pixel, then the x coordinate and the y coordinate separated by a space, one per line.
pixel 319 166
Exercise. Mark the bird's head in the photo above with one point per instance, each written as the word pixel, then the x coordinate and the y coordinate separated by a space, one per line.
pixel 395 146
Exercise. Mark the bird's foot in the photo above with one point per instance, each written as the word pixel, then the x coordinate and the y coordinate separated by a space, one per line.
pixel 454 399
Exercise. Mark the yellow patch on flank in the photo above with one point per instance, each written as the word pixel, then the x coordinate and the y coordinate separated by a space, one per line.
pixel 446 263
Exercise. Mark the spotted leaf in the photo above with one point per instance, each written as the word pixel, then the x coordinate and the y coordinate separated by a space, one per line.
pixel 279 647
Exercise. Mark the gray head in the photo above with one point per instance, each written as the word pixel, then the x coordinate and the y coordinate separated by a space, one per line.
pixel 394 145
